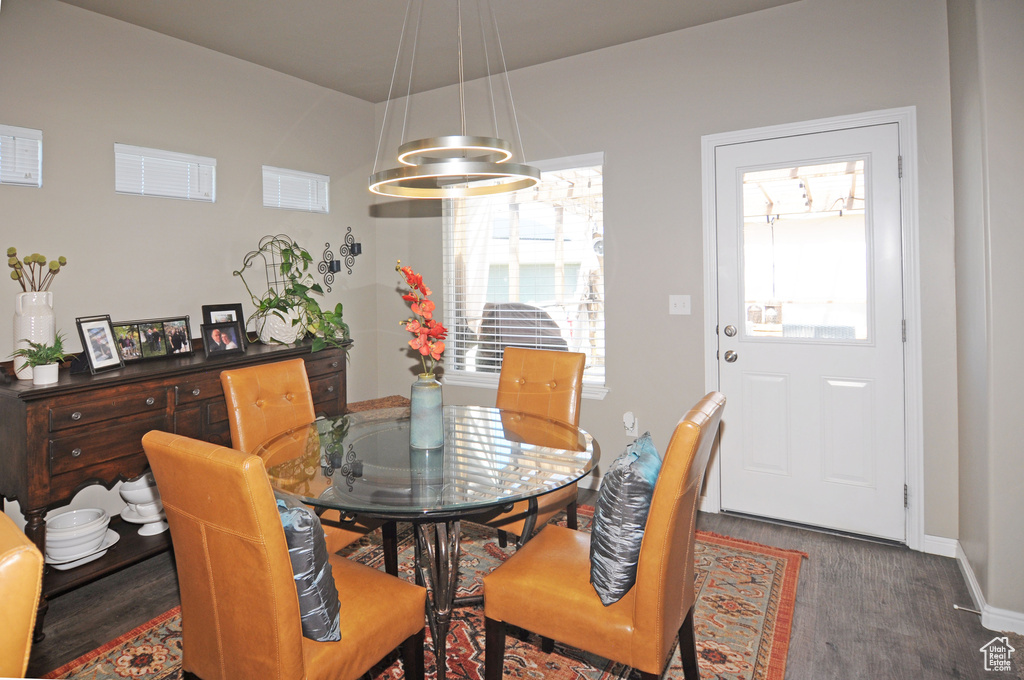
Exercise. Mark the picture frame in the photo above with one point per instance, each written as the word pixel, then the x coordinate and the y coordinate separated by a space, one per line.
pixel 222 339
pixel 154 338
pixel 98 343
pixel 224 313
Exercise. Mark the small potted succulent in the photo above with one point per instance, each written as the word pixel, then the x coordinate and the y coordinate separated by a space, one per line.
pixel 43 358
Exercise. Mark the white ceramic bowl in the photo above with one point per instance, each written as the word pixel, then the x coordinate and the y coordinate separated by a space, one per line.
pixel 140 482
pixel 75 532
pixel 149 509
pixel 65 549
pixel 76 522
pixel 140 490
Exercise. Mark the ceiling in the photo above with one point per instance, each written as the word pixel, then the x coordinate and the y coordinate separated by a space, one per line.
pixel 351 45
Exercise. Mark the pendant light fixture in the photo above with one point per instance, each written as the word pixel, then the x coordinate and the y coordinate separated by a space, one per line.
pixel 453 166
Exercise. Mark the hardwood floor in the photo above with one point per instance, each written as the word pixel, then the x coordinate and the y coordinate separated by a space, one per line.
pixel 863 609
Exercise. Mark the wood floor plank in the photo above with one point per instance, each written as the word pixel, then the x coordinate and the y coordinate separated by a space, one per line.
pixel 863 609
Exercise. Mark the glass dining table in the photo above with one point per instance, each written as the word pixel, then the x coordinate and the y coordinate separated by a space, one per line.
pixel 362 464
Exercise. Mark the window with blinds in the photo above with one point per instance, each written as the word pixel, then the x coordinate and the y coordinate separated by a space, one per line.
pixel 21 156
pixel 527 269
pixel 295 190
pixel 165 174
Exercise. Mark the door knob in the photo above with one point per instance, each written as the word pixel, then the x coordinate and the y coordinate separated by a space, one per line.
pixel 730 330
pixel 731 356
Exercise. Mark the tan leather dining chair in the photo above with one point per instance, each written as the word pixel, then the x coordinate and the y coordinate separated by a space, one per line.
pixel 21 582
pixel 546 383
pixel 268 399
pixel 545 587
pixel 239 607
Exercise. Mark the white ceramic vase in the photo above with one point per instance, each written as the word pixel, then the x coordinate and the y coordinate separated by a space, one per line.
pixel 276 327
pixel 33 322
pixel 45 374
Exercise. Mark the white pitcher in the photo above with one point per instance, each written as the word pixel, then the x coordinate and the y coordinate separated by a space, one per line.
pixel 33 321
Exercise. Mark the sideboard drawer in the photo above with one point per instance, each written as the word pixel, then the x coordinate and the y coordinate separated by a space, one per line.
pixel 316 367
pixel 80 450
pixel 325 389
pixel 197 390
pixel 77 415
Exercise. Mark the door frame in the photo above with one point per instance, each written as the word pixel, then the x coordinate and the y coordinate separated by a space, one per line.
pixel 906 120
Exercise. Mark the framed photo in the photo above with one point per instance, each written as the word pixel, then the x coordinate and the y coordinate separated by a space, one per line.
pixel 129 341
pixel 153 338
pixel 223 314
pixel 221 339
pixel 98 343
pixel 179 336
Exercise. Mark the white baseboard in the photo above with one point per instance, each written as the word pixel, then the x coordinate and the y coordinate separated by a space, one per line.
pixel 940 545
pixel 993 618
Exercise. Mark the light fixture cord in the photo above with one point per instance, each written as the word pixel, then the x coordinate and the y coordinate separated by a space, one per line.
pixel 487 61
pixel 508 87
pixel 462 75
pixel 412 65
pixel 391 87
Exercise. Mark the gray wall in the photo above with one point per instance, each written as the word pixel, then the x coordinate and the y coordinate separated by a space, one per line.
pixel 88 81
pixel 987 57
pixel 646 105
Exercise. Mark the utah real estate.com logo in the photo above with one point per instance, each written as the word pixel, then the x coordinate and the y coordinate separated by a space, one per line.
pixel 997 654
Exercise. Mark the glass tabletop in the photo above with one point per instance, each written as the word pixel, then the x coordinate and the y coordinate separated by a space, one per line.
pixel 362 462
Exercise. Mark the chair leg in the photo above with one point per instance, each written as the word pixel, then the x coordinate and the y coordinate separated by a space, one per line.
pixel 389 533
pixel 547 645
pixel 494 649
pixel 412 655
pixel 502 539
pixel 570 516
pixel 688 648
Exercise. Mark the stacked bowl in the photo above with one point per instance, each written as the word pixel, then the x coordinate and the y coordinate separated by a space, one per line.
pixel 144 506
pixel 75 534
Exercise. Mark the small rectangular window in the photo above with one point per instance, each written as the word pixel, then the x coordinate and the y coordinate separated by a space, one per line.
pixel 295 190
pixel 166 174
pixel 21 156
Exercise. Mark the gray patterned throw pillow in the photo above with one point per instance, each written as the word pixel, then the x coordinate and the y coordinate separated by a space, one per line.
pixel 623 502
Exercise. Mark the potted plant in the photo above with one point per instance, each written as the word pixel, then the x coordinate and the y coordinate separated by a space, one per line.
pixel 289 310
pixel 43 358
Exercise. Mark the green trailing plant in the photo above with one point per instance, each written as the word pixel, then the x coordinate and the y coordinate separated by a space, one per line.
pixel 294 292
pixel 40 353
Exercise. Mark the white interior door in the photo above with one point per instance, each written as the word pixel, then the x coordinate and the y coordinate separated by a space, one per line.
pixel 810 310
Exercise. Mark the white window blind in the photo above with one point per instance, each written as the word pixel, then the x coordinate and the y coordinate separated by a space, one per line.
pixel 527 269
pixel 295 190
pixel 21 156
pixel 166 174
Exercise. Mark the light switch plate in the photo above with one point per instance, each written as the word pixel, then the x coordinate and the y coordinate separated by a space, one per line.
pixel 678 304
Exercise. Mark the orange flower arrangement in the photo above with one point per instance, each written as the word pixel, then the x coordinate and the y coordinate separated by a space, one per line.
pixel 429 332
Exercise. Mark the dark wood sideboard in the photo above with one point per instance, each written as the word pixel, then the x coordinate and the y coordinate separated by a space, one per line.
pixel 87 429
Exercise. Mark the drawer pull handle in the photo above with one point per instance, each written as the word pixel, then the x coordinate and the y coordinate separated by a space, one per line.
pixel 195 392
pixel 334 364
pixel 150 401
pixel 330 388
pixel 75 453
pixel 76 415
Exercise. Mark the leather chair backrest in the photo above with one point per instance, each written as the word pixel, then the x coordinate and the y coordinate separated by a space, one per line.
pixel 21 582
pixel 664 582
pixel 266 400
pixel 542 382
pixel 240 611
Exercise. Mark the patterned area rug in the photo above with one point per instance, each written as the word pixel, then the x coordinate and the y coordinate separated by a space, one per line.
pixel 746 594
pixel 394 401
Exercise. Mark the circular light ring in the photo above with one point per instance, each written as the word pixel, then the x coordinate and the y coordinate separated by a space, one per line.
pixel 408 181
pixel 455 148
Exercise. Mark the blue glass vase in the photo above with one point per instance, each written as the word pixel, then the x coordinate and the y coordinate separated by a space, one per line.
pixel 426 430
